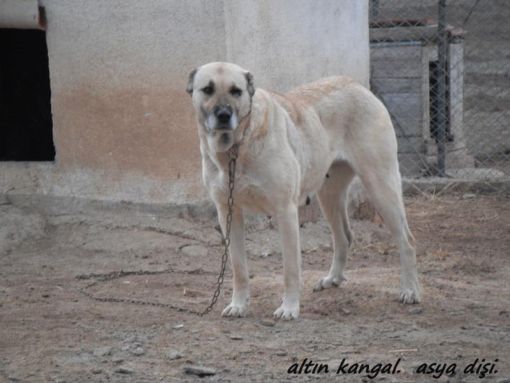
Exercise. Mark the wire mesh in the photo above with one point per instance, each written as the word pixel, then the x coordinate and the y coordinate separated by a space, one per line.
pixel 442 68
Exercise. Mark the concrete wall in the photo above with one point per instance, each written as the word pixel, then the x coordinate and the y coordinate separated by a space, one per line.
pixel 123 126
pixel 123 123
pixel 289 42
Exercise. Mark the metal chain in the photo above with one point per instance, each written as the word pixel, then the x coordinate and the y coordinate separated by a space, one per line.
pixel 232 157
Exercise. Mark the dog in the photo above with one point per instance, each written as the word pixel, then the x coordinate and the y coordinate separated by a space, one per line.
pixel 312 140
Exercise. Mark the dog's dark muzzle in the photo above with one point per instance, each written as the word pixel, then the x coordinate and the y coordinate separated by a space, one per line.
pixel 223 114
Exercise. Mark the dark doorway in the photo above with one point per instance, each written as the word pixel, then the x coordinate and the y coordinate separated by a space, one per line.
pixel 435 112
pixel 25 110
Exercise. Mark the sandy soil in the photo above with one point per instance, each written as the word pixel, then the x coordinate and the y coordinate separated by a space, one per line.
pixel 50 332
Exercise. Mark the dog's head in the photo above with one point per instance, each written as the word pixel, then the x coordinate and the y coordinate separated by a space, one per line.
pixel 221 94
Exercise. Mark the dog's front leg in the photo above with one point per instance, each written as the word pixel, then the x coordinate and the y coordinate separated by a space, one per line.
pixel 288 226
pixel 240 295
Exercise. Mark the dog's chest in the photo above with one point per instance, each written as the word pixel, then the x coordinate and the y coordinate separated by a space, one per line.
pixel 248 193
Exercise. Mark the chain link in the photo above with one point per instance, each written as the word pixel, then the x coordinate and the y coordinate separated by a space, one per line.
pixel 232 157
pixel 460 131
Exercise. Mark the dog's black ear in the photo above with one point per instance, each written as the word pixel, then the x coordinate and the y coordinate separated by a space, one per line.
pixel 191 78
pixel 250 86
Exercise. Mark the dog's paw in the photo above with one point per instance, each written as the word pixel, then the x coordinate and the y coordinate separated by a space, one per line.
pixel 287 311
pixel 410 292
pixel 235 310
pixel 328 282
pixel 408 296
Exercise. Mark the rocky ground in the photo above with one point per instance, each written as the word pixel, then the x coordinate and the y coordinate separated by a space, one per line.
pixel 50 331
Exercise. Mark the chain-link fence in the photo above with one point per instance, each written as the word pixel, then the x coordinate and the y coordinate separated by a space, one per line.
pixel 443 70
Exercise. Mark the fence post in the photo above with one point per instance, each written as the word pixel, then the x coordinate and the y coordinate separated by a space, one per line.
pixel 441 79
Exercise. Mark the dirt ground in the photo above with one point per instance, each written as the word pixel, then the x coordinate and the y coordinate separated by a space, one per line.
pixel 50 332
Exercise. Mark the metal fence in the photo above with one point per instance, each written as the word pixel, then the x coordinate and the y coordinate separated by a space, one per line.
pixel 443 70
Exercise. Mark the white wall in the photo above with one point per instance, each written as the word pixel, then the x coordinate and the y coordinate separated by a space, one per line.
pixel 123 124
pixel 289 42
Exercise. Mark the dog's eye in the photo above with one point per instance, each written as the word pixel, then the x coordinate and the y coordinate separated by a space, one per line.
pixel 236 92
pixel 208 90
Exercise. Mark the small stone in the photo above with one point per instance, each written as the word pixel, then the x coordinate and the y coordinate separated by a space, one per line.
pixel 266 254
pixel 138 351
pixel 345 311
pixel 102 351
pixel 195 250
pixel 117 360
pixel 468 196
pixel 281 353
pixel 267 323
pixel 199 371
pixel 46 295
pixel 236 337
pixel 190 293
pixel 173 355
pixel 124 370
pixel 96 371
pixel 178 326
pixel 416 310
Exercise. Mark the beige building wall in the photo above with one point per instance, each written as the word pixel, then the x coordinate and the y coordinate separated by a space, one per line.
pixel 289 42
pixel 123 123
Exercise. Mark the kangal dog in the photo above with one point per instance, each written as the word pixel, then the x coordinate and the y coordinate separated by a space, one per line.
pixel 311 140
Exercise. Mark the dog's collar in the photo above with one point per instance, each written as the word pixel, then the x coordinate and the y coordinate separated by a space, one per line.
pixel 243 124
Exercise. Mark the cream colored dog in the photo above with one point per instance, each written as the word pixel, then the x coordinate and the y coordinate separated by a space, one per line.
pixel 312 140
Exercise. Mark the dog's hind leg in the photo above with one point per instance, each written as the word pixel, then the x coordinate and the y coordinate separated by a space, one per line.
pixel 383 183
pixel 333 201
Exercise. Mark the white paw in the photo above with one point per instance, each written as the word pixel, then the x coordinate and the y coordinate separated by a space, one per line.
pixel 328 282
pixel 408 296
pixel 410 292
pixel 287 311
pixel 235 310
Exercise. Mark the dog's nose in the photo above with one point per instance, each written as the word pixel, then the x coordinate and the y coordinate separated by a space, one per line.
pixel 224 117
pixel 223 113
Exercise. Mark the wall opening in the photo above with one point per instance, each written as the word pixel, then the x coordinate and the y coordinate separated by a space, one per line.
pixel 26 128
pixel 435 112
